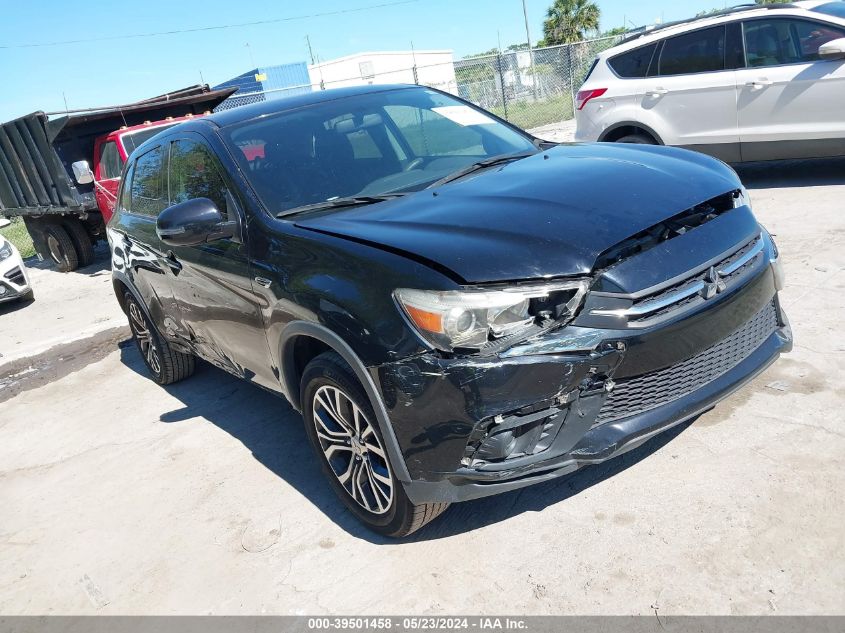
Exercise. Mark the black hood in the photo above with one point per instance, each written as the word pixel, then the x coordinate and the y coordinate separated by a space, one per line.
pixel 547 215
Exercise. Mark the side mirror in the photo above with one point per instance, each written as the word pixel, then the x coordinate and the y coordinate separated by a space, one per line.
pixel 4 222
pixel 193 222
pixel 82 172
pixel 834 49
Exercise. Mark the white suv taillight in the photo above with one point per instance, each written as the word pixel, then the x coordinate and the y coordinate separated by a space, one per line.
pixel 584 96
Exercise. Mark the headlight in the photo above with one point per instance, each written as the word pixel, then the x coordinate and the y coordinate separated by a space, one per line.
pixel 741 198
pixel 5 250
pixel 470 319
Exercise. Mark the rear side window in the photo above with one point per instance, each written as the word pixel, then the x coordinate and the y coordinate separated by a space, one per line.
pixel 633 64
pixel 778 41
pixel 147 194
pixel 110 163
pixel 696 52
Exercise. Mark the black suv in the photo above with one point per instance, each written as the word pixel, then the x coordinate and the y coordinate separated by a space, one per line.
pixel 457 308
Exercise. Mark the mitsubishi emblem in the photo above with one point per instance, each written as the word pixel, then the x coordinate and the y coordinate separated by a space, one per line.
pixel 712 283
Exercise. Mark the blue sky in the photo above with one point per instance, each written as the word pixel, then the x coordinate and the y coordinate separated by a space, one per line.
pixel 123 70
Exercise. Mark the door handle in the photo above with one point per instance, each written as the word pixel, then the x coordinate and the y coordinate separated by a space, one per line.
pixel 172 262
pixel 657 92
pixel 759 84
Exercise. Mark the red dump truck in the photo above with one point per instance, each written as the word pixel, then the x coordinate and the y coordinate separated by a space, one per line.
pixel 61 173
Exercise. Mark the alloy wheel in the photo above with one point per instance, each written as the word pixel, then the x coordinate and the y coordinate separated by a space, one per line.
pixel 352 449
pixel 144 338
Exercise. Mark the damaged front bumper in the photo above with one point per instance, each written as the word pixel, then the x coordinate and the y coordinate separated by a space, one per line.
pixel 469 427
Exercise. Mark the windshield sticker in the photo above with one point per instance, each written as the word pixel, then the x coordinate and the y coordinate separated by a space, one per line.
pixel 464 115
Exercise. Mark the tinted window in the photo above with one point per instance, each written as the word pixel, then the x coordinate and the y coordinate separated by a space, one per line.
pixel 194 174
pixel 836 9
pixel 777 41
pixel 633 63
pixel 368 144
pixel 696 52
pixel 148 196
pixel 110 163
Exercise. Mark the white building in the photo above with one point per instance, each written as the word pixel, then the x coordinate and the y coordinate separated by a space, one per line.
pixel 433 68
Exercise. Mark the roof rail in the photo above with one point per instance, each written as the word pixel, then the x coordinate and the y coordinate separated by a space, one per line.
pixel 648 30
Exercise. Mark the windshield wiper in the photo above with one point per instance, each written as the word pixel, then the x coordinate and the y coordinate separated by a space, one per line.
pixel 482 164
pixel 337 203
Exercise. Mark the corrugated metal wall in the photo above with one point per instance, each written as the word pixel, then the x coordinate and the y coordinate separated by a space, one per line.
pixel 270 82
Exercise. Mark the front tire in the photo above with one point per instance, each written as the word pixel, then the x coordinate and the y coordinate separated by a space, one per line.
pixel 165 364
pixel 341 427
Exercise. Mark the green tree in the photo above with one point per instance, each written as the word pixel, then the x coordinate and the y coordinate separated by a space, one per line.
pixel 617 30
pixel 568 21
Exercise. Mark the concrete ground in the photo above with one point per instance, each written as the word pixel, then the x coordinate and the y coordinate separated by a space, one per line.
pixel 120 497
pixel 71 312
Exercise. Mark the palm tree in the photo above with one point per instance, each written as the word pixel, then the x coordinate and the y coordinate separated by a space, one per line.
pixel 568 21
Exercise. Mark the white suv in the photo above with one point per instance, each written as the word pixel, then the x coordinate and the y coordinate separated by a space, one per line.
pixel 749 83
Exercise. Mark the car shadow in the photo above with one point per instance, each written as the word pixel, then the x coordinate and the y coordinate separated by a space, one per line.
pixel 13 305
pixel 778 174
pixel 273 432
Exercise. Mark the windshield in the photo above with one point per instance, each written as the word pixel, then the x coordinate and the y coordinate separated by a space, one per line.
pixel 367 145
pixel 836 9
pixel 132 140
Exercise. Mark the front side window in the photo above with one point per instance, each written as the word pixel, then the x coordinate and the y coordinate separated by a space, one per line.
pixel 778 41
pixel 373 144
pixel 148 196
pixel 194 174
pixel 696 52
pixel 633 64
pixel 110 162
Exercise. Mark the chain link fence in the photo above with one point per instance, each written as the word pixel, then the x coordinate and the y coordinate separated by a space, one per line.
pixel 528 88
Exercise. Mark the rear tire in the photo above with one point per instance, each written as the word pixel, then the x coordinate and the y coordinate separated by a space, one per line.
pixel 351 450
pixel 81 241
pixel 639 139
pixel 165 364
pixel 61 248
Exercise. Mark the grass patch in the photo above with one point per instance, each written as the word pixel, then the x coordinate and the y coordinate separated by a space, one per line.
pixel 530 114
pixel 17 234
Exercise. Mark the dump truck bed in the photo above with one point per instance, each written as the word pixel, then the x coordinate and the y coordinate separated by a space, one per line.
pixel 36 152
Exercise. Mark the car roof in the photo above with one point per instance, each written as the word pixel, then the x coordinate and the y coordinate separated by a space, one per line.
pixel 272 106
pixel 648 35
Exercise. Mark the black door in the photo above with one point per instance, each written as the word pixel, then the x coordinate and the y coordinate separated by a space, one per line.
pixel 220 314
pixel 136 248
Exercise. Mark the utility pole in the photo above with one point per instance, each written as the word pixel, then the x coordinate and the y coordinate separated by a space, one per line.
pixel 310 50
pixel 530 49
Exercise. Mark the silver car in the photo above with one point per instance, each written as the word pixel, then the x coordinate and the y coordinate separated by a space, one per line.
pixel 14 279
pixel 748 83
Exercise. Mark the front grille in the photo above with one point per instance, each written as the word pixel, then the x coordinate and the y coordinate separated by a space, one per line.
pixel 726 273
pixel 721 275
pixel 636 395
pixel 15 276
